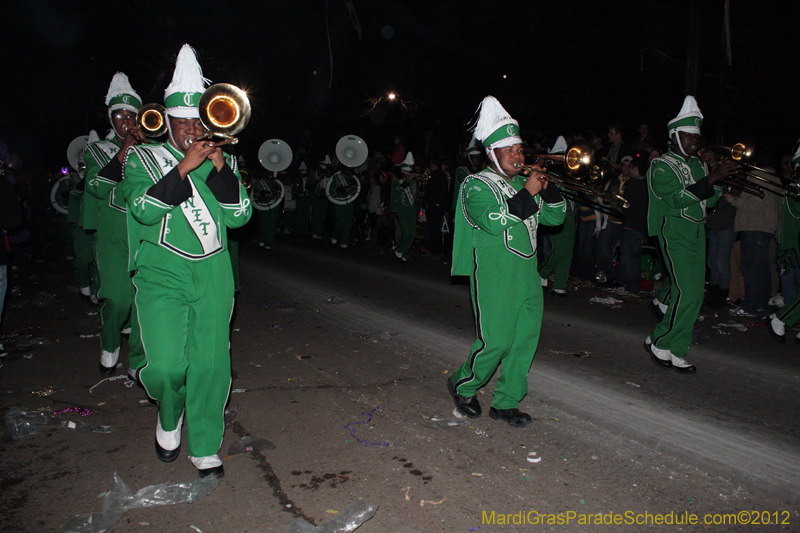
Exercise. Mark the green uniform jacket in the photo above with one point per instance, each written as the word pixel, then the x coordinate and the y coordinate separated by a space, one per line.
pixel 187 217
pixel 404 197
pixel 677 188
pixel 96 157
pixel 790 225
pixel 493 212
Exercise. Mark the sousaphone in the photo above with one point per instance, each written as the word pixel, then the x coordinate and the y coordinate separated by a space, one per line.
pixel 59 194
pixel 275 156
pixel 352 152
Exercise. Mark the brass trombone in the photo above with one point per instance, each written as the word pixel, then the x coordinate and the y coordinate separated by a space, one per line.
pixel 224 111
pixel 152 120
pixel 739 152
pixel 580 174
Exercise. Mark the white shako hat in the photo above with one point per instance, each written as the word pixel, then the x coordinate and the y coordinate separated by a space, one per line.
pixel 796 156
pixel 407 165
pixel 689 118
pixel 560 147
pixel 303 167
pixel 495 127
pixel 325 163
pixel 121 95
pixel 474 147
pixel 182 96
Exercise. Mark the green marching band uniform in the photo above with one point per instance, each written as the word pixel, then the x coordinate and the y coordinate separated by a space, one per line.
pixel 103 176
pixel 301 195
pixel 679 194
pixel 267 192
pixel 319 202
pixel 83 261
pixel 405 202
pixel 495 245
pixel 341 183
pixel 561 239
pixel 183 278
pixel 789 315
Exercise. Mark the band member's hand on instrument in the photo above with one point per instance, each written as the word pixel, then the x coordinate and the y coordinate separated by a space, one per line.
pixel 133 136
pixel 198 152
pixel 536 180
pixel 723 170
pixel 216 157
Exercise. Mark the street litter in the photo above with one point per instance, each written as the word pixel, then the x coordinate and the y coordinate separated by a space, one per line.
pixel 333 300
pixel 608 300
pixel 583 353
pixel 89 336
pixel 730 324
pixel 45 392
pixel 344 522
pixel 83 411
pixel 21 424
pixel 408 498
pixel 37 341
pixel 369 419
pixel 250 444
pixel 423 502
pixel 632 384
pixel 287 324
pixel 458 421
pixel 533 458
pixel 129 383
pixel 119 499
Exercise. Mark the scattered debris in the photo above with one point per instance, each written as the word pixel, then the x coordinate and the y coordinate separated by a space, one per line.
pixel 45 392
pixel 285 325
pixel 119 499
pixel 129 383
pixel 423 502
pixel 632 384
pixel 730 324
pixel 250 444
pixel 333 300
pixel 344 522
pixel 608 300
pixel 369 419
pixel 584 353
pixel 533 458
pixel 408 498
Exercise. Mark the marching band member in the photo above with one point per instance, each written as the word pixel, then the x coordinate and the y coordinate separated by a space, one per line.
pixel 301 193
pixel 268 194
pixel 406 193
pixel 341 183
pixel 680 188
pixel 181 197
pixel 319 202
pixel 495 245
pixel 561 239
pixel 103 161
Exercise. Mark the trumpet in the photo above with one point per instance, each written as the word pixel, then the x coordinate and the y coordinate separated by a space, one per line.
pixel 580 174
pixel 151 120
pixel 738 152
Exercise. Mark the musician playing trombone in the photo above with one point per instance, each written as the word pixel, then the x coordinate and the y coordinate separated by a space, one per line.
pixel 182 196
pixel 103 160
pixel 497 216
pixel 680 187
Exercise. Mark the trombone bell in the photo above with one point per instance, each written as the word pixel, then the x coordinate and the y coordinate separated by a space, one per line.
pixel 152 120
pixel 224 111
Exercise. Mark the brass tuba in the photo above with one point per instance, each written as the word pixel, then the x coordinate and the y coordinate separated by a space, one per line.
pixel 275 156
pixel 343 188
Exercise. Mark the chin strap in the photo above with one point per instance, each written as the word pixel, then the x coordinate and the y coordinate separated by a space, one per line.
pixel 496 164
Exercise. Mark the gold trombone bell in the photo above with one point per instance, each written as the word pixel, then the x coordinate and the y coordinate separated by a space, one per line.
pixel 224 111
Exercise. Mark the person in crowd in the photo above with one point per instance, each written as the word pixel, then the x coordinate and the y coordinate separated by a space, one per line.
pixel 435 201
pixel 11 216
pixel 497 215
pixel 680 187
pixel 406 192
pixel 182 196
pixel 721 238
pixel 319 201
pixel 634 226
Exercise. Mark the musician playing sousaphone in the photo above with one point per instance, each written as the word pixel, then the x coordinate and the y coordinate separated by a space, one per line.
pixel 268 194
pixel 344 186
pixel 103 174
pixel 319 201
pixel 497 216
pixel 404 204
pixel 182 196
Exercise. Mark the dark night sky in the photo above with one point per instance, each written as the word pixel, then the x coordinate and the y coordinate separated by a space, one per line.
pixel 568 66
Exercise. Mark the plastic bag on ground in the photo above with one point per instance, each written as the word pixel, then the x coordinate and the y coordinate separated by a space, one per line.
pixel 21 424
pixel 348 520
pixel 119 499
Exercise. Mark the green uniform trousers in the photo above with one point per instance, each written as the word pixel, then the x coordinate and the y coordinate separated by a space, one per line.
pixel 683 247
pixel 789 314
pixel 559 260
pixel 507 302
pixel 267 225
pixel 85 267
pixel 407 217
pixel 184 310
pixel 301 215
pixel 344 221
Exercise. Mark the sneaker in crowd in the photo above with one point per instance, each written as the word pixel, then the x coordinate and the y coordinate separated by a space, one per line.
pixel 740 313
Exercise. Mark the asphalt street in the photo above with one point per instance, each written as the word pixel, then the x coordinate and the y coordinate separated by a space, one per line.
pixel 339 361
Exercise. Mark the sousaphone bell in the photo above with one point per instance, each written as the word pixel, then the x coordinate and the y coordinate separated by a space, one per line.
pixel 352 152
pixel 59 193
pixel 275 156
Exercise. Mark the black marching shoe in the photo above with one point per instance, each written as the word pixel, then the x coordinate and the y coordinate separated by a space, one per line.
pixel 167 456
pixel 468 406
pixel 514 417
pixel 218 471
pixel 657 313
pixel 107 371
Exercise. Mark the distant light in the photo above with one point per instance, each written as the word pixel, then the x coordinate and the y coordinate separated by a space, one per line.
pixel 315 73
pixel 391 96
pixel 504 76
pixel 64 170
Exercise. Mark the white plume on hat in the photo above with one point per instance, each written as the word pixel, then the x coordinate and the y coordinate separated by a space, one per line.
pixel 187 81
pixel 474 147
pixel 408 163
pixel 560 146
pixel 303 167
pixel 689 118
pixel 796 156
pixel 121 85
pixel 325 162
pixel 491 117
